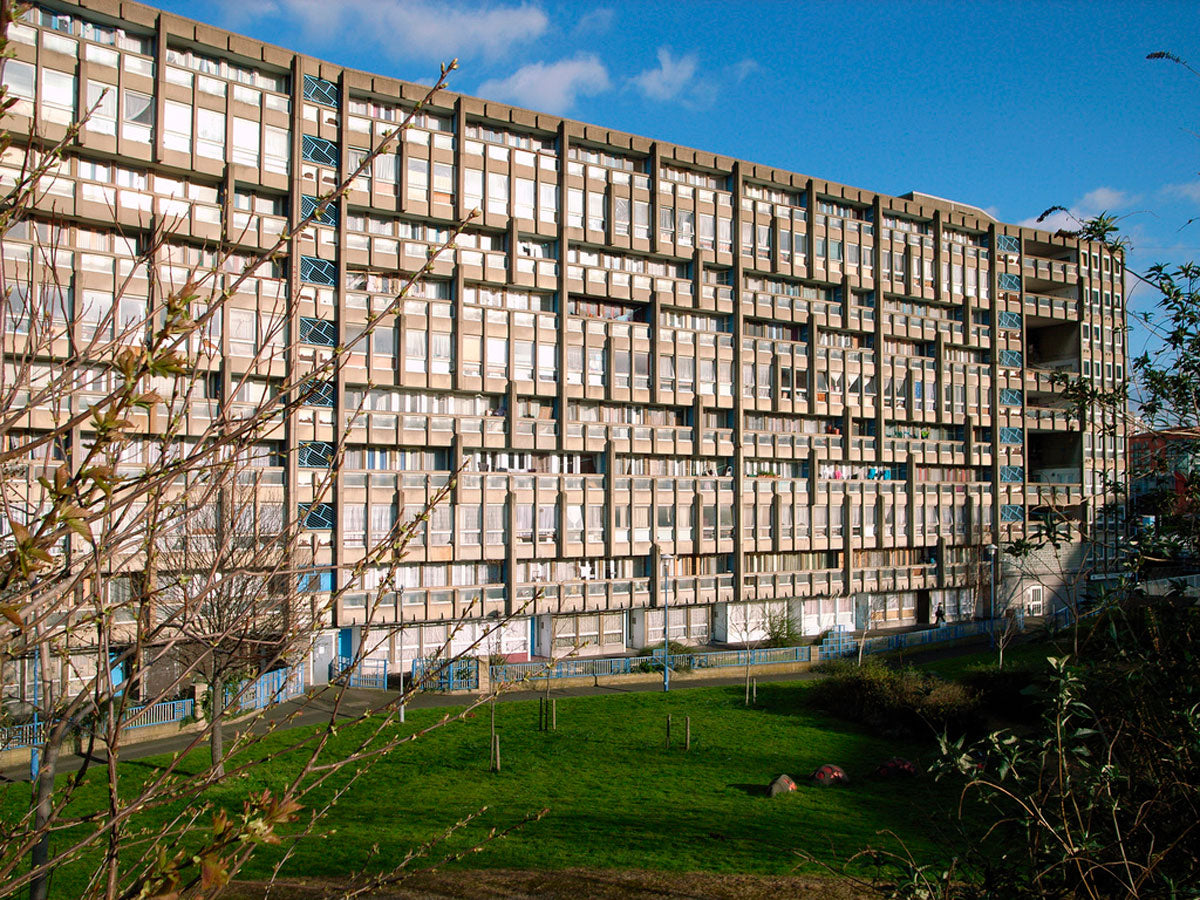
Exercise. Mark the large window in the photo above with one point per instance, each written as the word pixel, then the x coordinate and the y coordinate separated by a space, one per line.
pixel 19 79
pixel 497 193
pixel 177 126
pixel 138 117
pixel 58 97
pixel 276 149
pixel 245 142
pixel 418 180
pixel 210 133
pixel 102 103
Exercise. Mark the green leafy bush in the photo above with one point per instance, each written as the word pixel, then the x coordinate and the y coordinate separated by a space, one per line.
pixel 782 632
pixel 1007 694
pixel 674 648
pixel 896 701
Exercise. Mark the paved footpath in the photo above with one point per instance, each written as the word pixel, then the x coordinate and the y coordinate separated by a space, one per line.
pixel 348 704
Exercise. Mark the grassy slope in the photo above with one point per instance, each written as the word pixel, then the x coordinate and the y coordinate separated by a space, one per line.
pixel 1029 657
pixel 617 797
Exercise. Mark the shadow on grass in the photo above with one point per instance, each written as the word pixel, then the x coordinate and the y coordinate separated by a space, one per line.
pixel 781 698
pixel 754 790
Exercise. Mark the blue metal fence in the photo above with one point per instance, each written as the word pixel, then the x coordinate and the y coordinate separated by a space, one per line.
pixel 266 690
pixel 838 643
pixel 601 667
pixel 434 674
pixel 14 737
pixel 29 734
pixel 885 643
pixel 158 713
pixel 362 673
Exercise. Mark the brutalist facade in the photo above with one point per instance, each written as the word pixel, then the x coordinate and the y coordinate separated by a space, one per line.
pixel 658 369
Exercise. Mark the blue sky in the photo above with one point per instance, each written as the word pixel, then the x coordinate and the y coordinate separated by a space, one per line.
pixel 1012 107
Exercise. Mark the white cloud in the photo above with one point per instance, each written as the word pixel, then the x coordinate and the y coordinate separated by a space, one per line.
pixel 598 21
pixel 1100 200
pixel 670 79
pixel 1103 199
pixel 409 28
pixel 1057 220
pixel 238 14
pixel 742 70
pixel 550 87
pixel 1188 191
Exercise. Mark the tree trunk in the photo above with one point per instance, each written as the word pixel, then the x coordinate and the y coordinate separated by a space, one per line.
pixel 43 797
pixel 217 737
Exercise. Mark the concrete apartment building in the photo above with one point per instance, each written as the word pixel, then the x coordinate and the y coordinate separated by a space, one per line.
pixel 659 368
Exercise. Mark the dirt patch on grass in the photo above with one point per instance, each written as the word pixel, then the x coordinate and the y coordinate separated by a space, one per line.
pixel 574 884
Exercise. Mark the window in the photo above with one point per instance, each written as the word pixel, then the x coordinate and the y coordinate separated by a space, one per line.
pixel 383 341
pixel 19 78
pixel 58 97
pixel 496 521
pixel 686 226
pixel 441 357
pixel 470 524
pixel 497 193
pixel 418 180
pixel 523 201
pixel 102 102
pixel 276 149
pixel 384 168
pixel 443 183
pixel 622 215
pixel 473 186
pixel 548 205
pixel 177 126
pixel 95 316
pixel 245 142
pixel 138 118
pixel 210 133
pixel 414 351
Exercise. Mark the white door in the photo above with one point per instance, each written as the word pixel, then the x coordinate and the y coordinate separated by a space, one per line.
pixel 1034 602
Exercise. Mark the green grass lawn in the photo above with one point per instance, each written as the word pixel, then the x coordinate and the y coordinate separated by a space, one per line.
pixel 617 797
pixel 1028 656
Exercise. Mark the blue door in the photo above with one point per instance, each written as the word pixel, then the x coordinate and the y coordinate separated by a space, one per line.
pixel 346 642
pixel 117 671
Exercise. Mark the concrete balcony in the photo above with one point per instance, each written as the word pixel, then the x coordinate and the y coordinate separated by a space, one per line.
pixel 1051 419
pixel 1062 475
pixel 1051 271
pixel 1052 307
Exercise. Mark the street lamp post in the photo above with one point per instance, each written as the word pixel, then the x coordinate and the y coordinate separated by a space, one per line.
pixel 34 760
pixel 991 549
pixel 667 558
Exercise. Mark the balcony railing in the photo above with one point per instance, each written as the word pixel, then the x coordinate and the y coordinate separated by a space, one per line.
pixel 1064 475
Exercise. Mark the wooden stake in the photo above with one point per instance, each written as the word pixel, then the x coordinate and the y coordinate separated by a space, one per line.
pixel 554 714
pixel 755 694
pixel 668 732
pixel 687 732
pixel 495 753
